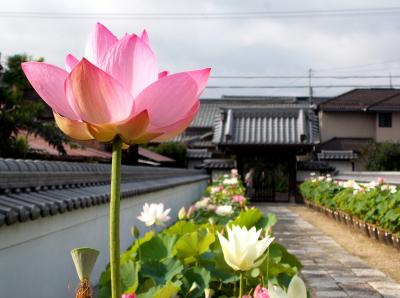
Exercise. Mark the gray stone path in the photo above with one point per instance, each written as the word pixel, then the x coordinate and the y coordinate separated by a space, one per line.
pixel 328 270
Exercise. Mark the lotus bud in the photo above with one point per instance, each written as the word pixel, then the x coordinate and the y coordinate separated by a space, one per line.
pixel 135 232
pixel 190 211
pixel 207 293
pixel 128 296
pixel 182 214
pixel 84 259
pixel 193 287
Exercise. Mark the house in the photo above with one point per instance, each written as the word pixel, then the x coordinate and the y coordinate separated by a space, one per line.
pixel 266 134
pixel 350 121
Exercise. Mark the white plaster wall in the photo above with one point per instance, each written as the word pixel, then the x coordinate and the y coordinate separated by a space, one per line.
pixel 35 256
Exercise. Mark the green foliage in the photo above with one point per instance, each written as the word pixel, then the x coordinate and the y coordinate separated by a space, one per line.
pixel 187 258
pixel 176 151
pixel 20 113
pixel 377 204
pixel 383 156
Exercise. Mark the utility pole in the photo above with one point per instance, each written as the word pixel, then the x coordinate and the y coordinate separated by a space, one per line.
pixel 310 89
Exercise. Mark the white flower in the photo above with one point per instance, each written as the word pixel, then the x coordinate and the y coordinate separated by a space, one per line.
pixel 242 248
pixel 321 178
pixel 202 203
pixel 312 174
pixel 384 187
pixel 328 179
pixel 224 210
pixel 231 181
pixel 154 214
pixel 296 289
pixel 393 188
pixel 349 183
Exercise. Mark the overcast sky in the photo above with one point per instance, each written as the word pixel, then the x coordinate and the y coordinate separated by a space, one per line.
pixel 340 45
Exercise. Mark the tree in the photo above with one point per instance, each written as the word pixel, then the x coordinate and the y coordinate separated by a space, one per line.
pixel 176 151
pixel 19 113
pixel 383 156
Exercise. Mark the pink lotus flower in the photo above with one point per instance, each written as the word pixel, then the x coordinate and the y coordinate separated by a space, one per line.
pixel 117 89
pixel 238 199
pixel 128 296
pixel 261 292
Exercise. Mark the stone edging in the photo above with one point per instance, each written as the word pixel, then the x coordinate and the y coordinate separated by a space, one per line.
pixel 357 225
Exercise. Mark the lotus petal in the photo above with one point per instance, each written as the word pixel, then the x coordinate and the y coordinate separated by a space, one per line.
pixel 95 96
pixel 163 73
pixel 70 62
pixel 48 81
pixel 132 63
pixel 178 127
pixel 297 288
pixel 174 93
pixel 100 41
pixel 134 127
pixel 75 129
pixel 145 37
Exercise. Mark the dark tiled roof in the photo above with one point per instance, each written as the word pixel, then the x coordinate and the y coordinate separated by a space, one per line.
pixel 210 108
pixel 32 189
pixel 390 104
pixel 223 164
pixel 198 153
pixel 266 126
pixel 337 155
pixel 359 99
pixel 314 166
pixel 354 144
pixel 153 155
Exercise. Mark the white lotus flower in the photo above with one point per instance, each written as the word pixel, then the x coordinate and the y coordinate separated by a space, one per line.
pixel 230 181
pixel 154 214
pixel 296 289
pixel 224 210
pixel 242 250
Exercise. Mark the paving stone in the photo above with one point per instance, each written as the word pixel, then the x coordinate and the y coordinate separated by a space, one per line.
pixel 329 271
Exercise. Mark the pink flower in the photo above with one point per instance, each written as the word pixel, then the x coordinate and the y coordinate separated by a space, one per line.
pixel 128 296
pixel 238 198
pixel 117 89
pixel 261 292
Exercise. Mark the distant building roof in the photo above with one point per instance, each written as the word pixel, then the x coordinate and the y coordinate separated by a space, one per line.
pixel 216 163
pixel 337 155
pixel 40 145
pixel 364 100
pixel 266 126
pixel 198 153
pixel 355 144
pixel 210 108
pixel 154 156
pixel 314 165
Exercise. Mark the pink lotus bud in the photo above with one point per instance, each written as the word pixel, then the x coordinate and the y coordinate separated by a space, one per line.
pixel 128 296
pixel 261 292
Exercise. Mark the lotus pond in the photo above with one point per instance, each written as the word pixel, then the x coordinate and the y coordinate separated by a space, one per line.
pixel 219 247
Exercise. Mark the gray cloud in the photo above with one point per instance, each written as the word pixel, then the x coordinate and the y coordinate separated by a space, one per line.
pixel 230 47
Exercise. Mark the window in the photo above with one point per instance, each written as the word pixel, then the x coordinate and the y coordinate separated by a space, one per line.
pixel 385 119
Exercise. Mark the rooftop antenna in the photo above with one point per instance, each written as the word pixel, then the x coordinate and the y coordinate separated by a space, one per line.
pixel 310 89
pixel 390 80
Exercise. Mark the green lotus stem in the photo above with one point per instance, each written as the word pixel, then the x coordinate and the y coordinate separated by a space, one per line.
pixel 241 285
pixel 114 218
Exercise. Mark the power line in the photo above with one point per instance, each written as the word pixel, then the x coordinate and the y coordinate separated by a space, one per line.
pixel 295 86
pixel 250 77
pixel 376 11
